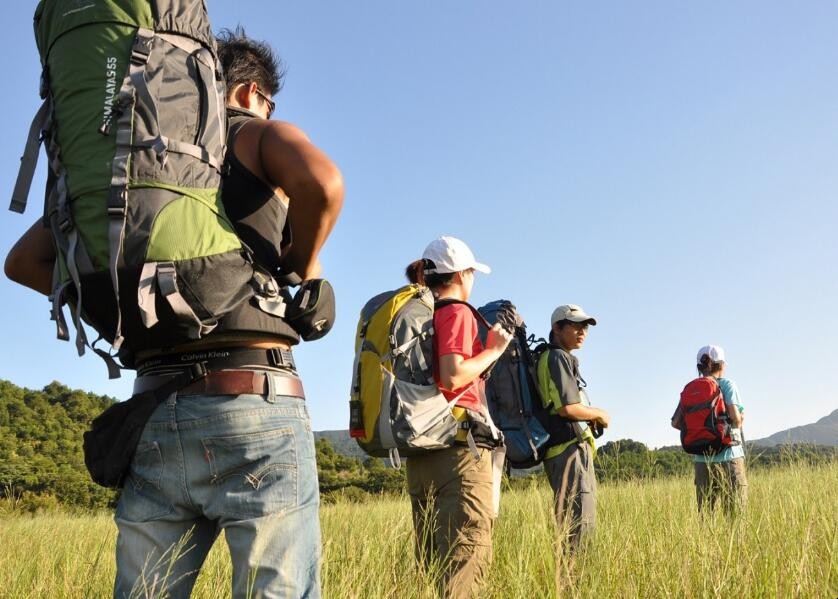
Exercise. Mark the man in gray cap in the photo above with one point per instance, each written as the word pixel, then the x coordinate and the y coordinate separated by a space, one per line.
pixel 569 459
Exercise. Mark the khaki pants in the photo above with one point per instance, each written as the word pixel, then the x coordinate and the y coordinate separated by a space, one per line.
pixel 722 481
pixel 571 475
pixel 451 497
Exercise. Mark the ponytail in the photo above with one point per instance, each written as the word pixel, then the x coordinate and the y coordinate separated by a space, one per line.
pixel 706 366
pixel 416 273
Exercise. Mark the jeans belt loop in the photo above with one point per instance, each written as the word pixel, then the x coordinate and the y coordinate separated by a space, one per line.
pixel 271 388
pixel 275 387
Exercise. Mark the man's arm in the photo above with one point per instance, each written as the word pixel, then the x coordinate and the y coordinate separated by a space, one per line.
pixel 578 411
pixel 30 261
pixel 287 159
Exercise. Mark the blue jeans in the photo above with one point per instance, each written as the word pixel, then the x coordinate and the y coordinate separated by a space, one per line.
pixel 241 464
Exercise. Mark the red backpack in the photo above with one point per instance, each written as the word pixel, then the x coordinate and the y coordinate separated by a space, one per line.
pixel 704 424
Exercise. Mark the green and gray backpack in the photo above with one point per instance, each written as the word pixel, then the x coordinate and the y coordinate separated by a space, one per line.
pixel 134 125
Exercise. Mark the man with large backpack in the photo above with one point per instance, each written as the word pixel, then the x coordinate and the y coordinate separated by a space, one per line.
pixel 568 462
pixel 232 450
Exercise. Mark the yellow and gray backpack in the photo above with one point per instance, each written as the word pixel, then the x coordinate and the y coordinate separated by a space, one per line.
pixel 134 125
pixel 396 407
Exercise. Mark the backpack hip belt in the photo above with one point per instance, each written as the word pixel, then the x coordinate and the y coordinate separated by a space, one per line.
pixel 221 359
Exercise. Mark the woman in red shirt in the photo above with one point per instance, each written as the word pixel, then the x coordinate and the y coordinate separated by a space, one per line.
pixel 451 489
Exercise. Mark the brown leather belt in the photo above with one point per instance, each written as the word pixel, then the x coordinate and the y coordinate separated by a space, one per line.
pixel 230 382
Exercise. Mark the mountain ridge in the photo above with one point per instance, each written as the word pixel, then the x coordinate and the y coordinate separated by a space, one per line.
pixel 820 432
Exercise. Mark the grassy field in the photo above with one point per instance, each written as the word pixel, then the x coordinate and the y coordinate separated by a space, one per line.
pixel 649 543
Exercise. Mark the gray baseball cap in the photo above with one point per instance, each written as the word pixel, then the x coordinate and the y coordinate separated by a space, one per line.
pixel 571 312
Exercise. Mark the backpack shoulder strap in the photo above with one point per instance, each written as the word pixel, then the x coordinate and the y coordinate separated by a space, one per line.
pixel 558 376
pixel 450 300
pixel 480 320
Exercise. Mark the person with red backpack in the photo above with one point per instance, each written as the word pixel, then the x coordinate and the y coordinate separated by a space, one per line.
pixel 710 416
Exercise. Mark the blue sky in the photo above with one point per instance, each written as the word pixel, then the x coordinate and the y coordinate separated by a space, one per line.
pixel 668 166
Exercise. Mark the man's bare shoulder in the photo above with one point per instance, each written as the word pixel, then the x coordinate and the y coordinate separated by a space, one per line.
pixel 270 130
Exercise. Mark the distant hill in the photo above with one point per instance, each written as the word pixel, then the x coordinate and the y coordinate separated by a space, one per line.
pixel 822 432
pixel 342 443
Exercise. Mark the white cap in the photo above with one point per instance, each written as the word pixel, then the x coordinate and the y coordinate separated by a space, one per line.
pixel 571 312
pixel 715 352
pixel 449 254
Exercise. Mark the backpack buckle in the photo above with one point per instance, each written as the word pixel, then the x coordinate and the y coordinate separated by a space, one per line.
pixel 117 202
pixel 142 48
pixel 281 358
pixel 264 284
pixel 198 370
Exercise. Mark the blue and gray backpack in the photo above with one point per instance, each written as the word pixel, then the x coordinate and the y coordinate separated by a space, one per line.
pixel 512 390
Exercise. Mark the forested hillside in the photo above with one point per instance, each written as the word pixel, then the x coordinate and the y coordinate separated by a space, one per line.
pixel 42 467
pixel 41 459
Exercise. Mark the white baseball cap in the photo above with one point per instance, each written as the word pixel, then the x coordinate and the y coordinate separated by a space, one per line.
pixel 571 312
pixel 449 254
pixel 715 353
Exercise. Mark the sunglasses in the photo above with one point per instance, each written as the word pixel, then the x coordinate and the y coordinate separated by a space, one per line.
pixel 267 98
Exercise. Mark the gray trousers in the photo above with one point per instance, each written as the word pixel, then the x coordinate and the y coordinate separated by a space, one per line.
pixel 722 482
pixel 571 475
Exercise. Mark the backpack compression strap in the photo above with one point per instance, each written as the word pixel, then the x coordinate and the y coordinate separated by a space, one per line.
pixel 29 160
pixel 64 230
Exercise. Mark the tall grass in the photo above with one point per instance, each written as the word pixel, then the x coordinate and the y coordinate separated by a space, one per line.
pixel 650 542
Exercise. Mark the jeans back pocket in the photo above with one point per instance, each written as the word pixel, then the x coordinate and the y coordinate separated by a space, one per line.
pixel 252 474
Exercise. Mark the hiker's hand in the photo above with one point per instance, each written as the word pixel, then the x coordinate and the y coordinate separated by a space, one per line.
pixel 602 419
pixel 498 338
